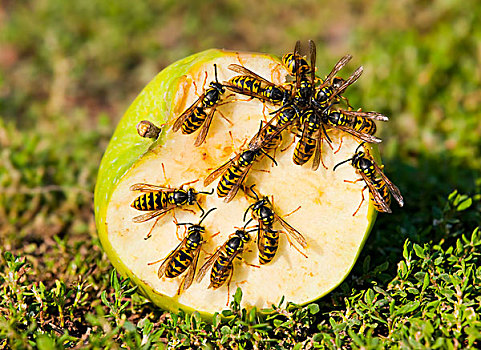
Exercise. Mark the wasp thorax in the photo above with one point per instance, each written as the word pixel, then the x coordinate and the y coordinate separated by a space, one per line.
pixel 247 157
pixel 195 236
pixel 191 196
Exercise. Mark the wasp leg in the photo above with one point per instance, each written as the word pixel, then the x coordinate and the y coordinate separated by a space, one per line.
pixel 228 285
pixel 355 181
pixel 163 171
pixel 188 183
pixel 224 117
pixel 176 226
pixel 156 221
pixel 289 145
pixel 247 263
pixel 340 144
pixel 292 212
pixel 293 245
pixel 362 200
pixel 320 151
pixel 155 262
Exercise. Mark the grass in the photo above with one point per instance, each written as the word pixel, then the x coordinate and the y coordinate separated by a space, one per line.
pixel 67 73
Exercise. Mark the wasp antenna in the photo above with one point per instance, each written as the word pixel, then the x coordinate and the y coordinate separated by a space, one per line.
pixel 183 223
pixel 215 72
pixel 344 161
pixel 361 144
pixel 247 223
pixel 270 157
pixel 203 192
pixel 201 209
pixel 325 133
pixel 252 190
pixel 204 216
pixel 247 210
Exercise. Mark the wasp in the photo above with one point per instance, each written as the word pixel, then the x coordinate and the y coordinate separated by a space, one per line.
pixel 357 123
pixel 195 116
pixel 222 261
pixel 267 237
pixel 305 83
pixel 185 256
pixel 311 138
pixel 235 170
pixel 379 185
pixel 294 63
pixel 253 85
pixel 158 200
pixel 333 86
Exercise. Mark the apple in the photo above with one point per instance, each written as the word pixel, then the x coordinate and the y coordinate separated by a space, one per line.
pixel 325 202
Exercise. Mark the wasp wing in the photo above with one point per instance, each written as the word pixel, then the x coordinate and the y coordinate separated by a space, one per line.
pixel 375 194
pixel 183 117
pixel 233 191
pixel 241 91
pixel 189 276
pixel 151 215
pixel 317 152
pixel 292 231
pixel 337 67
pixel 244 71
pixel 217 172
pixel 170 258
pixel 224 268
pixel 360 135
pixel 312 54
pixel 370 115
pixel 260 236
pixel 205 128
pixel 351 80
pixel 393 188
pixel 209 263
pixel 258 139
pixel 297 56
pixel 150 188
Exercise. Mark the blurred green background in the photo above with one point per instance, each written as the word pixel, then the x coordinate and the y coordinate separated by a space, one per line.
pixel 69 69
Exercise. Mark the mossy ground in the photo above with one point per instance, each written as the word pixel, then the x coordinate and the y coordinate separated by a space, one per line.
pixel 69 70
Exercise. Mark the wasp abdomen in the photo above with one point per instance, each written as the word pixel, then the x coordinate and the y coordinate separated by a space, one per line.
pixel 268 246
pixel 181 262
pixel 304 150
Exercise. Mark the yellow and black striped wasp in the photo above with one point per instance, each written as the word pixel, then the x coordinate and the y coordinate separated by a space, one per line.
pixel 379 185
pixel 294 63
pixel 332 87
pixel 235 170
pixel 357 123
pixel 253 85
pixel 222 261
pixel 310 142
pixel 185 256
pixel 158 200
pixel 196 117
pixel 305 78
pixel 268 238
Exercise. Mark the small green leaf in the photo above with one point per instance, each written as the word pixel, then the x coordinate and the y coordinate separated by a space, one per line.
pixel 419 251
pixel 425 282
pixel 238 296
pixel 44 342
pixel 408 308
pixel 129 326
pixel 313 308
pixel 465 204
pixel 103 297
